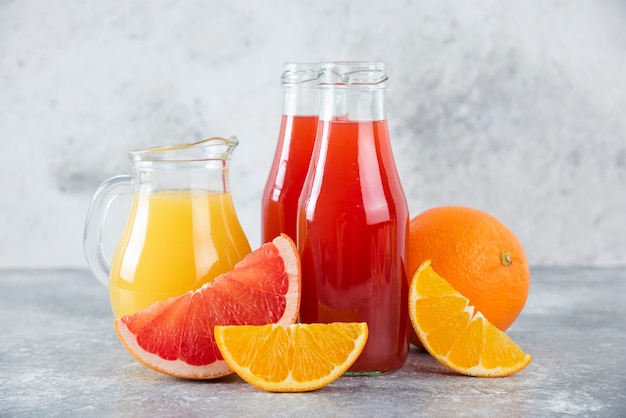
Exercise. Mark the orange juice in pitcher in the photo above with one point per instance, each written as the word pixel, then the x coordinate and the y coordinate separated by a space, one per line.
pixel 182 230
pixel 186 233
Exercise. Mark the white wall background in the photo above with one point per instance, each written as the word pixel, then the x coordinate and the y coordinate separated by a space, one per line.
pixel 515 108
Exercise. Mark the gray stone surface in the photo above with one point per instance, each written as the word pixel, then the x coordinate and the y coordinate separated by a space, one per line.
pixel 59 356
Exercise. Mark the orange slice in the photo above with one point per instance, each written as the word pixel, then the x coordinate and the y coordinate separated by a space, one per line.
pixel 292 358
pixel 456 334
pixel 175 337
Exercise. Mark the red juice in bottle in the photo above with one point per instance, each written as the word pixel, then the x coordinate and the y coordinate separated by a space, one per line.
pixel 293 151
pixel 353 226
pixel 289 168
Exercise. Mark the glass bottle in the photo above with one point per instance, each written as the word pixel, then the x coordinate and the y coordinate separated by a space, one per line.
pixel 353 218
pixel 293 151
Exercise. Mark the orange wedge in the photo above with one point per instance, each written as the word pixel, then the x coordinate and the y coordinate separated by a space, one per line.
pixel 455 333
pixel 291 358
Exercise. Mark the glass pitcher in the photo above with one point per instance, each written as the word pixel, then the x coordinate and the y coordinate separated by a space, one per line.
pixel 182 230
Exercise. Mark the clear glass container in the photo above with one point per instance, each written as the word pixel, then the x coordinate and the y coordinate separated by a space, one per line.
pixel 182 230
pixel 293 150
pixel 353 218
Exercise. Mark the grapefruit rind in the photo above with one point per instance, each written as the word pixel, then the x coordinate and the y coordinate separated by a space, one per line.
pixel 455 329
pixel 176 368
pixel 290 255
pixel 218 368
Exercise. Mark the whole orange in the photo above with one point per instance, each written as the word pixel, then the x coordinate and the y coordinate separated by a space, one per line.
pixel 477 254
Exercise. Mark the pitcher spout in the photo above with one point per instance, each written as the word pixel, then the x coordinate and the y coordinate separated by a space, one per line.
pixel 215 148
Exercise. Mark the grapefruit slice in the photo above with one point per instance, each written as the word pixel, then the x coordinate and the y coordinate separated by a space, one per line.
pixel 291 358
pixel 176 337
pixel 455 333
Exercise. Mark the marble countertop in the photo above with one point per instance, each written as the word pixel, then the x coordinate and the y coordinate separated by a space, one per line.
pixel 59 356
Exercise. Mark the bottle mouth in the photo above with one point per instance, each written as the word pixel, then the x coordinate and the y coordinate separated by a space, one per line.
pixel 299 73
pixel 354 73
pixel 210 149
pixel 335 73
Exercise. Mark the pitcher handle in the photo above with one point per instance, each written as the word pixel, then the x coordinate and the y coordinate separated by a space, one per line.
pixel 92 236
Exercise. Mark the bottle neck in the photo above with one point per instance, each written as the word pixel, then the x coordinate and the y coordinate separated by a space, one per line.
pixel 301 100
pixel 352 103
